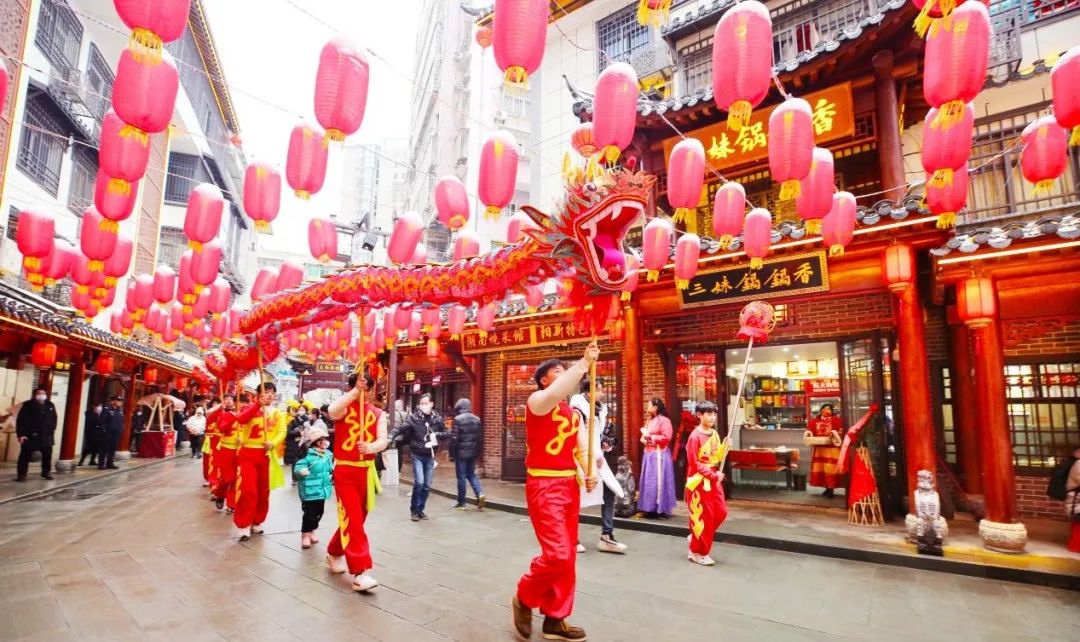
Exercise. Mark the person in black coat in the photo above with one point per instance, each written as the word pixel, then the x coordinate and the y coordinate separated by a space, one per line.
pixel 36 428
pixel 421 431
pixel 112 425
pixel 294 449
pixel 466 444
pixel 91 436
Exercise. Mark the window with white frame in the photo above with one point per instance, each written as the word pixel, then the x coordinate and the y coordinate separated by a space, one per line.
pixel 59 34
pixel 619 36
pixel 43 143
pixel 695 60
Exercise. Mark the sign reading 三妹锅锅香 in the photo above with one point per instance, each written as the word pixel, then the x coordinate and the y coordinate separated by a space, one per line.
pixel 779 276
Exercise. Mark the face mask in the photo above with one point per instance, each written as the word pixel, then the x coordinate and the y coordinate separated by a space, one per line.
pixel 40 398
pixel 426 408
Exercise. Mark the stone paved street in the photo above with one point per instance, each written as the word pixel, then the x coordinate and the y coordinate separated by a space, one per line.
pixel 142 555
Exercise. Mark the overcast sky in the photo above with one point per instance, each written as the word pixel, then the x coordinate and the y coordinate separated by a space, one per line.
pixel 270 52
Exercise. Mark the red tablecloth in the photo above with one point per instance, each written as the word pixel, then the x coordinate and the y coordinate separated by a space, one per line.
pixel 157 444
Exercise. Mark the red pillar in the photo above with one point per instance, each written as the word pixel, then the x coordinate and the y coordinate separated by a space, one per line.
pixel 65 463
pixel 890 151
pixel 129 411
pixel 963 409
pixel 631 357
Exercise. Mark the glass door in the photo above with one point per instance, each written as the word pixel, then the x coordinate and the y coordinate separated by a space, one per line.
pixel 696 380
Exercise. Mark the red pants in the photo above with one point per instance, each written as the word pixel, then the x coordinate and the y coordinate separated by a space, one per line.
pixel 708 510
pixel 554 503
pixel 252 487
pixel 225 465
pixel 350 540
pixel 209 472
pixel 1074 538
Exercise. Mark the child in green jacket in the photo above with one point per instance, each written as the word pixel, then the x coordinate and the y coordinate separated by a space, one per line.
pixel 315 472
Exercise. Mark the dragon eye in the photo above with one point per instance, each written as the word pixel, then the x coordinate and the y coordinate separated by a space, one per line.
pixel 590 187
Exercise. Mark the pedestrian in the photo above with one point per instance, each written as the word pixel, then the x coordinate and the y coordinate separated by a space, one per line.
pixel 400 416
pixel 315 473
pixel 1072 502
pixel 553 499
pixel 296 439
pixel 466 444
pixel 657 487
pixel 91 434
pixel 262 428
pixel 355 481
pixel 196 428
pixel 604 441
pixel 138 426
pixel 704 491
pixel 112 425
pixel 422 431
pixel 223 417
pixel 36 428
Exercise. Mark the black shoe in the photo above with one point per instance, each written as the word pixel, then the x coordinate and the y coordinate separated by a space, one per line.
pixel 112 467
pixel 100 467
pixel 46 476
pixel 415 517
pixel 422 515
pixel 21 478
pixel 459 506
pixel 219 502
pixel 828 492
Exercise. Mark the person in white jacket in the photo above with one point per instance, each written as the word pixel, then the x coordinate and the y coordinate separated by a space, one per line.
pixel 608 489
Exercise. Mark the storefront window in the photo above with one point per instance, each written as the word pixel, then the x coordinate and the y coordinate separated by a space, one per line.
pixel 1043 407
pixel 948 429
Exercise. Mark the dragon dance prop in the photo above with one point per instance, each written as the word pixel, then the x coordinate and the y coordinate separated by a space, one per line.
pixel 864 503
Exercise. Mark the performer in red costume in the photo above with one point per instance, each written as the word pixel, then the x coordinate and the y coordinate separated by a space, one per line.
pixel 356 482
pixel 210 445
pixel 262 428
pixel 704 494
pixel 823 458
pixel 553 498
pixel 223 451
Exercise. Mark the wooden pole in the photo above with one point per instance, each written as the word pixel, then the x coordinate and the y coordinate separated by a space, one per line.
pixel 361 379
pixel 738 395
pixel 592 417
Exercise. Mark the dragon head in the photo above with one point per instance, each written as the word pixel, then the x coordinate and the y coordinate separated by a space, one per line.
pixel 589 226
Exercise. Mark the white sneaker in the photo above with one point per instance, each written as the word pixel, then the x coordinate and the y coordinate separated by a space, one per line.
pixel 256 529
pixel 703 560
pixel 206 484
pixel 707 561
pixel 609 545
pixel 245 534
pixel 336 563
pixel 364 583
pixel 580 548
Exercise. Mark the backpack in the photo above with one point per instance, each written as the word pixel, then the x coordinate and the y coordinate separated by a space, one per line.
pixel 1059 479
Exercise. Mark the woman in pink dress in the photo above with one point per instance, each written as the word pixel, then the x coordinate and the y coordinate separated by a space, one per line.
pixel 657 487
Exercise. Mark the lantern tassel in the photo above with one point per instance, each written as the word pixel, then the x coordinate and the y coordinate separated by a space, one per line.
pixel 110 281
pixel 516 76
pixel 108 225
pixel 95 266
pixel 492 212
pixel 32 264
pixel 654 16
pixel 333 134
pixel 756 263
pixel 812 226
pixel 682 284
pixel 625 296
pixel 1074 138
pixel 679 215
pixel 195 246
pixel 951 113
pixel 118 186
pixel 262 227
pixel 946 220
pixel 146 46
pixel 303 193
pixel 652 276
pixel 739 114
pixel 611 154
pixel 836 250
pixel 324 258
pixel 1044 187
pixel 789 190
pixel 725 241
pixel 941 178
pixel 923 20
pixel 131 131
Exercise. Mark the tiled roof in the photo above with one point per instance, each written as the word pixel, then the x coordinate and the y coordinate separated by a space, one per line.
pixel 1066 226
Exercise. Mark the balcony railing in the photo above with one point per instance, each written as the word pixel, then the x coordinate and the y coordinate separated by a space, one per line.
pixel 1034 10
pixel 1005 48
pixel 799 26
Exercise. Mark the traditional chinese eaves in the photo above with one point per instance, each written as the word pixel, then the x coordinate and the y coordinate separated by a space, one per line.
pixel 1065 226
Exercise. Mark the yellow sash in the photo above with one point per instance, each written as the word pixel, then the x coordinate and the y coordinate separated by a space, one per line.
pixel 374 486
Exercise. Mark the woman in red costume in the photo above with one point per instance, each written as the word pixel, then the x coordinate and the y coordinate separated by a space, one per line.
pixel 823 457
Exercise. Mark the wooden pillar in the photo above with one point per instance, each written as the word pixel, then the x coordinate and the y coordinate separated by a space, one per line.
pixel 631 356
pixel 963 409
pixel 999 531
pixel 391 385
pixel 129 411
pixel 65 463
pixel 887 121
pixel 477 365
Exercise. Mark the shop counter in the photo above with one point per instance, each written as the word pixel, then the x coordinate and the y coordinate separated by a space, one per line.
pixel 789 439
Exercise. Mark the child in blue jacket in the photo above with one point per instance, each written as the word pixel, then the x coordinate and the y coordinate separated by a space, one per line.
pixel 315 472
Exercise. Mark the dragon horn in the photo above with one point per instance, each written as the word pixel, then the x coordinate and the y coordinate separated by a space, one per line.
pixel 538 217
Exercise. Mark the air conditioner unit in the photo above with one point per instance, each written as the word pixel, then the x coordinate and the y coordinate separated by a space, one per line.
pixel 656 57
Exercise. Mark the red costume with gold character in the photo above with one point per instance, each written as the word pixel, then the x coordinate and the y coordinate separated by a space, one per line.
pixel 356 482
pixel 554 499
pixel 253 478
pixel 223 453
pixel 704 494
pixel 823 459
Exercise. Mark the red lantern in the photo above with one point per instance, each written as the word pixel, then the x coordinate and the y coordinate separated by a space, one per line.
pixel 582 140
pixel 58 263
pixel 220 293
pixel 262 194
pixel 485 318
pixel 615 109
pixel 341 88
pixel 152 322
pixel 519 34
pixel 264 284
pixel 103 365
pixel 815 198
pixel 955 63
pixel 413 330
pixel 451 202
pixel 466 246
pixel 729 209
pixel 656 246
pixel 116 326
pixel 150 374
pixel 81 301
pixel 206 264
pixel 455 320
pixel 402 317
pixel 498 172
pixel 164 284
pixel 235 314
pixel 686 177
pixel 946 201
pixel 123 158
pixel 757 235
pixel 1064 79
pixel 127 323
pixel 433 349
pixel 3 86
pixel 84 278
pixel 305 166
pixel 483 37
pixel 105 297
pixel 429 318
pixel 534 295
pixel 34 237
pixel 1045 153
pixel 742 61
pixel 403 240
pixel 976 302
pixel 898 266
pixel 143 96
pixel 143 291
pixel 117 263
pixel 946 151
pixel 322 239
pixel 791 145
pixel 219 328
pixel 43 354
pixel 96 243
pixel 290 275
pixel 839 224
pixel 203 217
pixel 114 206
pixel 152 22
pixel 687 251
pixel 419 257
pixel 518 226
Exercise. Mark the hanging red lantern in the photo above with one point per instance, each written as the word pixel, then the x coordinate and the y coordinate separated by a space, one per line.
pixel 742 61
pixel 305 165
pixel 265 281
pixel 115 324
pixel 757 236
pixel 103 365
pixel 404 238
pixel 143 96
pixel 127 323
pixel 105 297
pixel 57 264
pixel 898 266
pixel 686 178
pixel 220 293
pixel 976 302
pixel 34 237
pixel 143 291
pixel 615 109
pixel 420 256
pixel 123 158
pixel 219 328
pixel 687 251
pixel 43 354
pixel 433 349
pixel 413 329
pixel 791 145
pixel 498 172
pixel 402 317
pixel 519 224
pixel 322 239
pixel 4 82
pixel 114 206
pixel 519 34
pixel 185 284
pixel 582 140
pixel 466 246
pixel 947 200
pixel 534 295
pixel 290 275
pixel 1045 154
pixel 202 220
pixel 946 151
pixel 81 301
pixel 656 246
pixel 1064 79
pixel 262 194
pixel 150 374
pixel 84 278
pixel 729 210
pixel 152 320
pixel 955 62
pixel 341 88
pixel 429 318
pixel 455 320
pixel 451 202
pixel 815 198
pixel 206 264
pixel 118 263
pixel 235 314
pixel 164 284
pixel 96 243
pixel 838 228
pixel 152 23
pixel 485 318
pixel 483 37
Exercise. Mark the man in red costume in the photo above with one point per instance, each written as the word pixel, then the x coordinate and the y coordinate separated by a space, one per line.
pixel 223 444
pixel 262 428
pixel 553 498
pixel 356 482
pixel 704 494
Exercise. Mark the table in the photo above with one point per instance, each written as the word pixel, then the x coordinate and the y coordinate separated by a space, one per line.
pixel 766 459
pixel 157 444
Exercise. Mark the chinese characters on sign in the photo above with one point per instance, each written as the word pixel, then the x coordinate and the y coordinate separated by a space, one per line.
pixel 781 276
pixel 537 334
